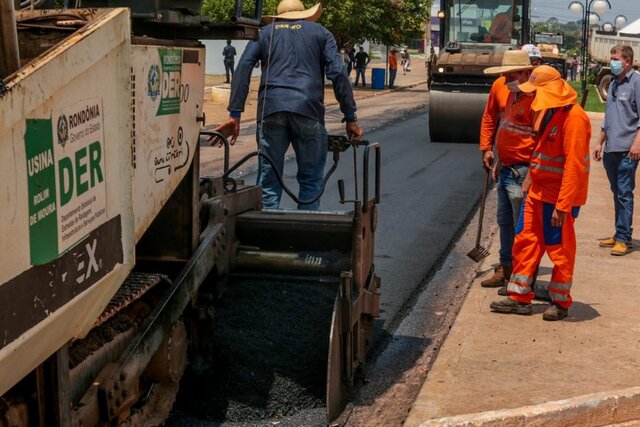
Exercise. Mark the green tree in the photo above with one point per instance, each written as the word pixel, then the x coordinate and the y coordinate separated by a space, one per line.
pixel 350 21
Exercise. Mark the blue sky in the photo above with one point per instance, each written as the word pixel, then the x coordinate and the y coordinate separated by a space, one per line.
pixel 545 9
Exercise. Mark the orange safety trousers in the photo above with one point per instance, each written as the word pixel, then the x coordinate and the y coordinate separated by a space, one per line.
pixel 534 236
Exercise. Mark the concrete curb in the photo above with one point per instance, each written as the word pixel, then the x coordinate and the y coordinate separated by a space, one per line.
pixel 380 92
pixel 589 410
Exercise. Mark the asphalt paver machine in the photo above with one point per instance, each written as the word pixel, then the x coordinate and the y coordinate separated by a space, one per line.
pixel 113 246
pixel 474 34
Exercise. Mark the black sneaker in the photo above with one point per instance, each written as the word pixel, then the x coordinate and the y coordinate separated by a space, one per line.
pixel 508 305
pixel 554 313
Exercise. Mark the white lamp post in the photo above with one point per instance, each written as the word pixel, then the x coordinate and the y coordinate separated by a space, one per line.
pixel 620 21
pixel 590 18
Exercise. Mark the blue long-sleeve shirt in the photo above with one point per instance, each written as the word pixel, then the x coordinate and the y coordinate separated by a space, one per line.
pixel 302 53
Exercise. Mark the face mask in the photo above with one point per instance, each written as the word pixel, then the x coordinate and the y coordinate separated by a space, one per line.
pixel 513 86
pixel 616 67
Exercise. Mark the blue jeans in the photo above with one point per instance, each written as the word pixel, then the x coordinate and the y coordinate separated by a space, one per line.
pixel 392 76
pixel 621 171
pixel 228 69
pixel 310 143
pixel 360 72
pixel 509 205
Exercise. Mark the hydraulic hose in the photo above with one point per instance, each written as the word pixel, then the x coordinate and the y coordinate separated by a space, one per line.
pixel 213 136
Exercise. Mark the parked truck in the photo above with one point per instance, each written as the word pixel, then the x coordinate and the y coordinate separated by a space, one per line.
pixel 600 49
pixel 113 246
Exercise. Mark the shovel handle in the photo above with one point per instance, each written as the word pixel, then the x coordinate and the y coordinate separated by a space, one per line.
pixel 485 187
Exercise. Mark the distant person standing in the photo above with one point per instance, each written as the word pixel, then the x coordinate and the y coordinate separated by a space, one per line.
pixel 574 67
pixel 620 142
pixel 228 53
pixel 393 67
pixel 345 60
pixel 352 61
pixel 405 60
pixel 362 60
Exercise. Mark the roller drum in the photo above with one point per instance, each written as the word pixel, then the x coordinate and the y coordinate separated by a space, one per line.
pixel 455 115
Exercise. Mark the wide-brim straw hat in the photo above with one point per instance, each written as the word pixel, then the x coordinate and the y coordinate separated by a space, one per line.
pixel 293 10
pixel 512 60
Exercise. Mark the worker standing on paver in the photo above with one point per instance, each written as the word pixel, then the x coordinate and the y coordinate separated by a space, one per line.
pixel 555 189
pixel 296 54
pixel 508 116
pixel 620 141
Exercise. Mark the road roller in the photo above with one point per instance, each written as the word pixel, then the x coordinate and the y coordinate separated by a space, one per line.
pixel 115 248
pixel 474 34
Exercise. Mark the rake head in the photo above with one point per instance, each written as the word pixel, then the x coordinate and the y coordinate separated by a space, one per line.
pixel 478 253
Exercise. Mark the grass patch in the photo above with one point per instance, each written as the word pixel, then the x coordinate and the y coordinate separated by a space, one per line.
pixel 593 100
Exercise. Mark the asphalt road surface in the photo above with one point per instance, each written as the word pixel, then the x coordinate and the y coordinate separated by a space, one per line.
pixel 428 192
pixel 428 195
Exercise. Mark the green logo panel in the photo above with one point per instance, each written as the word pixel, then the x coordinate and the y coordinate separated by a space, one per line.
pixel 170 88
pixel 41 177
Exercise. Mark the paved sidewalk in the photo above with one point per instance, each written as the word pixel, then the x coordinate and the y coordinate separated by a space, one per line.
pixel 503 370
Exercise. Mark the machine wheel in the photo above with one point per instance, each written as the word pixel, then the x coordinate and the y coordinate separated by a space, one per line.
pixel 603 86
pixel 336 387
pixel 455 116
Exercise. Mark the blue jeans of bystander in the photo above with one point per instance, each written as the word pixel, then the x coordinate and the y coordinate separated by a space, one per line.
pixel 509 204
pixel 392 77
pixel 360 72
pixel 621 171
pixel 309 140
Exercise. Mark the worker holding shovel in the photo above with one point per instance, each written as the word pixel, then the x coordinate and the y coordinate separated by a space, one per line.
pixel 514 141
pixel 556 188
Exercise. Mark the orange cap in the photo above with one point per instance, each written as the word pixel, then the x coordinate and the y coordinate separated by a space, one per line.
pixel 551 89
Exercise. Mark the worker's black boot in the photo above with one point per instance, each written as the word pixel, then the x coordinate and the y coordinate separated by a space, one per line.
pixel 508 305
pixel 500 277
pixel 555 312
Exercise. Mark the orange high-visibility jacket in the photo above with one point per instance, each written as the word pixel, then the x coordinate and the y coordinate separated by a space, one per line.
pixel 393 62
pixel 515 138
pixel 496 104
pixel 560 162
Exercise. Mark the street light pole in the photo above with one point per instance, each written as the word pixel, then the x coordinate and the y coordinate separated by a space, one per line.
pixel 600 7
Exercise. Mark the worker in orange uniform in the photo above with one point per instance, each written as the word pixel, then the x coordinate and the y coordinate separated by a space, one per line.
pixel 501 27
pixel 556 188
pixel 508 121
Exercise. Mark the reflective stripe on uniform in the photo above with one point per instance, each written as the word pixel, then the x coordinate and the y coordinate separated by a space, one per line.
pixel 518 288
pixel 547 168
pixel 560 286
pixel 558 297
pixel 559 291
pixel 549 158
pixel 512 127
pixel 521 278
pixel 519 126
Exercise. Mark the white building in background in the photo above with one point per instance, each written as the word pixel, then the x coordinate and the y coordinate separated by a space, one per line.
pixel 214 64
